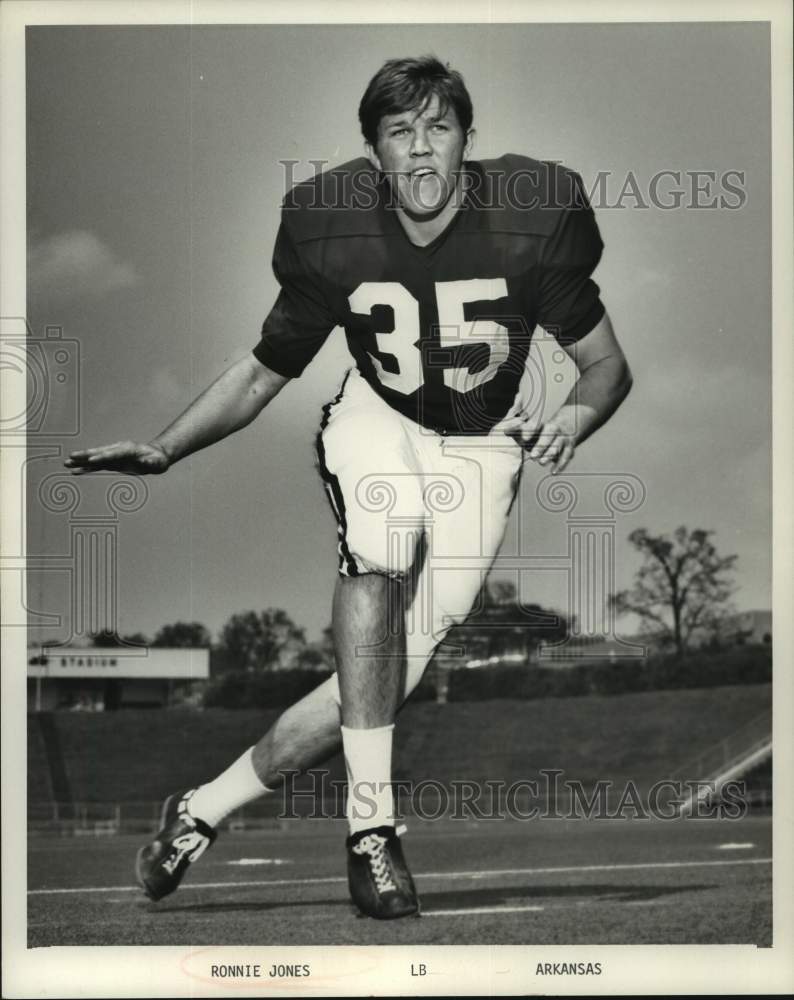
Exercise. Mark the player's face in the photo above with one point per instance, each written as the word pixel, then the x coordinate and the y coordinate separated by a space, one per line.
pixel 421 152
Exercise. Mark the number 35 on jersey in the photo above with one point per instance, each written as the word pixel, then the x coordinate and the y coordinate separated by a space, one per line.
pixel 394 313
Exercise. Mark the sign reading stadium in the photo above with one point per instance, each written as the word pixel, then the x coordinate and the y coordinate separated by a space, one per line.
pixel 142 662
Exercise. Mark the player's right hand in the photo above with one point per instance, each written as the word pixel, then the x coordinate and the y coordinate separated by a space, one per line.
pixel 123 456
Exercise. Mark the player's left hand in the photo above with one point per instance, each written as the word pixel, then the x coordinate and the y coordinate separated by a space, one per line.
pixel 551 442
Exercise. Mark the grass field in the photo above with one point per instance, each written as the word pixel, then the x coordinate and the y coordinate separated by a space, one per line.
pixel 500 882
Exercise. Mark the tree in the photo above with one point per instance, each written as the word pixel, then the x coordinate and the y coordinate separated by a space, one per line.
pixel 318 655
pixel 327 648
pixel 183 635
pixel 682 587
pixel 107 637
pixel 311 658
pixel 264 640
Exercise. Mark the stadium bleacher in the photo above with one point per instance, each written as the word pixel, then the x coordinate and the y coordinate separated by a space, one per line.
pixel 39 785
pixel 139 756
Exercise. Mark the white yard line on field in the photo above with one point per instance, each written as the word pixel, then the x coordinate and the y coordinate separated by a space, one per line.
pixel 481 909
pixel 486 873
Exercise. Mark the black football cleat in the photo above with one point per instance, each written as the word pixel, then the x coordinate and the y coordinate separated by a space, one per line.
pixel 160 866
pixel 380 883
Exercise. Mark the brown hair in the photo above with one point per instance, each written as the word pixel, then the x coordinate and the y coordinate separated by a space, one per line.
pixel 405 84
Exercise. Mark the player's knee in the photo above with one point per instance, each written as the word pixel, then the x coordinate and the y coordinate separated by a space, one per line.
pixel 387 552
pixel 459 596
pixel 451 616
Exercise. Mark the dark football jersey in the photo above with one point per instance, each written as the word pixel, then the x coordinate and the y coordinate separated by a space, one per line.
pixel 440 332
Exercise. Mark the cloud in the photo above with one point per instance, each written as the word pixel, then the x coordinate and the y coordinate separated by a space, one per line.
pixel 74 265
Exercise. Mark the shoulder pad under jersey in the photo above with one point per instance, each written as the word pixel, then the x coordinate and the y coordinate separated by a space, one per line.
pixel 337 202
pixel 523 195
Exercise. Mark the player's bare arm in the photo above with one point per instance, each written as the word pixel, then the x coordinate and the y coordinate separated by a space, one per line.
pixel 231 402
pixel 604 382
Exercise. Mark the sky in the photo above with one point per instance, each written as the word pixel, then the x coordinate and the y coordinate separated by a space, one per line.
pixel 154 182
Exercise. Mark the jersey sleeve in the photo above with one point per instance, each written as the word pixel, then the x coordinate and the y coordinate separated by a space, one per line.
pixel 300 320
pixel 569 303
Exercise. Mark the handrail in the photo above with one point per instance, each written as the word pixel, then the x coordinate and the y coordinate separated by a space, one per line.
pixel 726 748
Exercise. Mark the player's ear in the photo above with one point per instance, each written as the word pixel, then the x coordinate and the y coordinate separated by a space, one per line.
pixel 469 142
pixel 372 155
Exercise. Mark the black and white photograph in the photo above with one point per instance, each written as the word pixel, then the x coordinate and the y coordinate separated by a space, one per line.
pixel 396 440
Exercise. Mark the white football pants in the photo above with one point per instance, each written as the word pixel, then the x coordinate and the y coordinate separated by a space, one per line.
pixel 410 501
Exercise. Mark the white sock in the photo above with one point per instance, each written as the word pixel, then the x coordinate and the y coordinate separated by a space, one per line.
pixel 368 763
pixel 237 786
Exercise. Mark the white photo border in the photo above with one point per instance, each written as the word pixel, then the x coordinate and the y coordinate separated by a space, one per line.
pixel 166 971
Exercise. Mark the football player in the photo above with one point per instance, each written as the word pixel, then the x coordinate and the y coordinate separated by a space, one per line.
pixel 438 268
